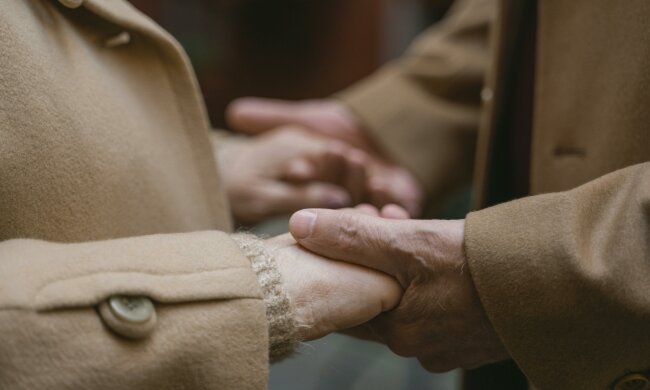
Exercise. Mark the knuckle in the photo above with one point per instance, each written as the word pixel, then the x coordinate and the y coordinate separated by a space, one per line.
pixel 350 231
pixel 336 147
pixel 402 343
pixel 357 156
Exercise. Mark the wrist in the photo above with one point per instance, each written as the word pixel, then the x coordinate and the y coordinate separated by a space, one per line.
pixel 280 313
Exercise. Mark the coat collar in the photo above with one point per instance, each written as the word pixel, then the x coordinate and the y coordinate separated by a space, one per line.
pixel 123 14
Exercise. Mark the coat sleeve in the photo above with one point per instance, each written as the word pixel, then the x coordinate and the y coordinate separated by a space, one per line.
pixel 58 329
pixel 423 109
pixel 564 278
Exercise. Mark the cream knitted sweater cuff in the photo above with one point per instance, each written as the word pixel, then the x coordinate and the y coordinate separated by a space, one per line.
pixel 283 336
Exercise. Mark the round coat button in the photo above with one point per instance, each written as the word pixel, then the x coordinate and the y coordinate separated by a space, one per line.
pixel 130 317
pixel 131 309
pixel 72 3
pixel 633 382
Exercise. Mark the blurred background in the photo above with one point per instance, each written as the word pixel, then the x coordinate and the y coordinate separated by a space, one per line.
pixel 292 49
pixel 297 49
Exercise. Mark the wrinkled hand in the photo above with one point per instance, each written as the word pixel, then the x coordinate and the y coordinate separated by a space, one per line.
pixel 440 319
pixel 330 296
pixel 281 171
pixel 387 182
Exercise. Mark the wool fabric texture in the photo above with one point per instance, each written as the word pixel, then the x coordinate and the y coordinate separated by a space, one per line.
pixel 283 335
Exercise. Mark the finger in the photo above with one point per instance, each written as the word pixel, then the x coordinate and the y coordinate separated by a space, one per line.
pixel 388 184
pixel 286 198
pixel 363 208
pixel 348 236
pixel 355 176
pixel 379 191
pixel 318 160
pixel 331 162
pixel 299 171
pixel 334 163
pixel 393 211
pixel 257 115
pixel 367 209
pixel 405 191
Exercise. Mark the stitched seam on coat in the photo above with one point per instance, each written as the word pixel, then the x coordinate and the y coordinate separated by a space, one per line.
pixel 30 309
pixel 142 273
pixel 47 284
pixel 135 273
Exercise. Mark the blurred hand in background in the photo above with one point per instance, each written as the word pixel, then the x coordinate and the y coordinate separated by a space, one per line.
pixel 288 169
pixel 385 182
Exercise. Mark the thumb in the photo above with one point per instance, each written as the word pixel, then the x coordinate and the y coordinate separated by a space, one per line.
pixel 258 115
pixel 348 236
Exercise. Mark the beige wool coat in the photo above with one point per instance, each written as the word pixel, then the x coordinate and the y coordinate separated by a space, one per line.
pixel 104 149
pixel 109 187
pixel 563 274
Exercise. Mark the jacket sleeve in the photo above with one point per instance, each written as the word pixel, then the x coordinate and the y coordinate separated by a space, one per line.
pixel 423 109
pixel 564 279
pixel 59 328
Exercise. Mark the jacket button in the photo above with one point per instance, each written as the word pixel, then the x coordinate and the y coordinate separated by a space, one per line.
pixel 131 309
pixel 129 317
pixel 72 3
pixel 633 382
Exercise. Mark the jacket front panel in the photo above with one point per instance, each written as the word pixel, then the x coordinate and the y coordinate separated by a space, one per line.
pixel 592 91
pixel 102 137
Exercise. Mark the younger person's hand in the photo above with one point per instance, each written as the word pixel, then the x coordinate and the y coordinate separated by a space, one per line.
pixel 387 182
pixel 285 170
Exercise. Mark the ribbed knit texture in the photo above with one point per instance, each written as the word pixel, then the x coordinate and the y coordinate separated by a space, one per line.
pixel 283 336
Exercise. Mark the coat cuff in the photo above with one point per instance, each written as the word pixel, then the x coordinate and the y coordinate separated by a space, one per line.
pixel 283 335
pixel 563 277
pixel 513 264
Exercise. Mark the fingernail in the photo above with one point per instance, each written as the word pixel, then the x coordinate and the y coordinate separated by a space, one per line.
pixel 302 224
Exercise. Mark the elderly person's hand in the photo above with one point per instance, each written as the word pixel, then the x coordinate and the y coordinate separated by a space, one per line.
pixel 440 319
pixel 387 182
pixel 288 169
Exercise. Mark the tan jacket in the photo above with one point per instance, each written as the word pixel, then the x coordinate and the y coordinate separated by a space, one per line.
pixel 562 274
pixel 104 149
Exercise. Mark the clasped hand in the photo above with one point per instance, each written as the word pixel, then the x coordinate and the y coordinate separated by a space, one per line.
pixel 439 318
pixel 306 155
pixel 402 282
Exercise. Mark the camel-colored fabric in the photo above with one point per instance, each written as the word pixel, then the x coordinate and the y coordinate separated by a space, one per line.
pixel 108 186
pixel 423 109
pixel 280 315
pixel 563 274
pixel 564 279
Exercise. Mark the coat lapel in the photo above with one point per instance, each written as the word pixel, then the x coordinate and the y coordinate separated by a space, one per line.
pixel 503 43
